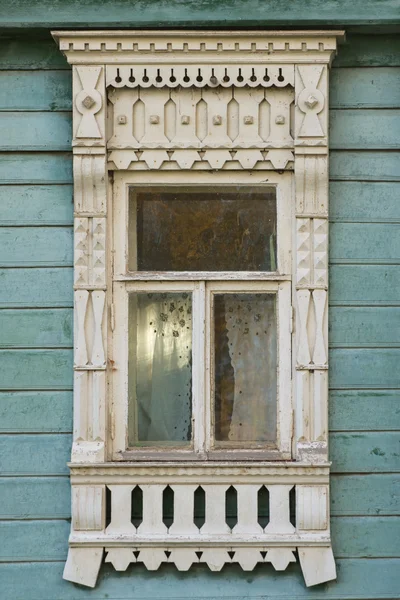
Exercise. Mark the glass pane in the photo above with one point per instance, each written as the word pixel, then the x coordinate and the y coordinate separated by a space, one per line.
pixel 245 368
pixel 160 368
pixel 203 230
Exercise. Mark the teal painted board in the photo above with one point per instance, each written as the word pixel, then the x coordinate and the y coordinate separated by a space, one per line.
pixel 36 328
pixel 41 131
pixel 358 579
pixel 39 288
pixel 35 498
pixel 365 537
pixel 370 243
pixel 45 454
pixel 365 452
pixel 368 51
pixel 367 326
pixel 34 167
pixel 364 166
pixel 36 369
pixel 364 285
pixel 373 87
pixel 36 412
pixel 355 495
pixel 364 368
pixel 34 51
pixel 36 90
pixel 364 201
pixel 364 129
pixel 36 205
pixel 36 246
pixel 175 13
pixel 361 410
pixel 34 540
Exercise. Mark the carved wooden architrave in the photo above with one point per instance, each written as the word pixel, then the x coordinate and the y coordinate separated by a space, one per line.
pixel 199 101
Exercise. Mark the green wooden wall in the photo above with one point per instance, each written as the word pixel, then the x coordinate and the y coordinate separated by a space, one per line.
pixel 36 334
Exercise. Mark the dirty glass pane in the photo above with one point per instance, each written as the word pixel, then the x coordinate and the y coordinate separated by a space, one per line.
pixel 160 368
pixel 203 230
pixel 245 368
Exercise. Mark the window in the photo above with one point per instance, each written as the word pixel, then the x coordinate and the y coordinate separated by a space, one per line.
pixel 200 300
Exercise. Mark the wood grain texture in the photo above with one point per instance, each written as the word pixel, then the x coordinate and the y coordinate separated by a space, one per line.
pixel 357 578
pixel 36 328
pixel 364 166
pixel 36 288
pixel 365 495
pixel 36 205
pixel 363 410
pixel 36 90
pixel 364 129
pixel 364 368
pixel 36 369
pixel 36 412
pixel 36 246
pixel 194 14
pixel 364 327
pixel 35 498
pixel 35 51
pixel 367 51
pixel 365 452
pixel 370 243
pixel 364 285
pixel 368 87
pixel 35 168
pixel 38 131
pixel 45 454
pixel 363 201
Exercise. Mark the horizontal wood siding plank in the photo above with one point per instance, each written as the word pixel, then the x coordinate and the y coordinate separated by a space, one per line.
pixel 36 369
pixel 35 498
pixel 35 167
pixel 36 205
pixel 369 51
pixel 36 412
pixel 40 328
pixel 367 166
pixel 373 87
pixel 36 246
pixel 364 368
pixel 364 129
pixel 364 326
pixel 364 285
pixel 353 537
pixel 31 52
pixel 365 495
pixel 359 579
pixel 39 131
pixel 49 497
pixel 36 288
pixel 364 243
pixel 36 90
pixel 45 454
pixel 364 201
pixel 365 452
pixel 358 410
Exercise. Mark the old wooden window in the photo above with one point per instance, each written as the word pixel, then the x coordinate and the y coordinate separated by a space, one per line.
pixel 200 300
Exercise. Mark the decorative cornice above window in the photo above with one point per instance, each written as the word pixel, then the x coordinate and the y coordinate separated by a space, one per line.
pixel 199 108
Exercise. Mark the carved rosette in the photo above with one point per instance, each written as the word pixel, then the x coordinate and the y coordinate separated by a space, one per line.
pixel 200 101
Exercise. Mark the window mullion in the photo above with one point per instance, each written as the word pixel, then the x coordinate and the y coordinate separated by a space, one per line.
pixel 198 367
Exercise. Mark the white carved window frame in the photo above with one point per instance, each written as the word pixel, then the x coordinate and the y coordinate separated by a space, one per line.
pixel 109 69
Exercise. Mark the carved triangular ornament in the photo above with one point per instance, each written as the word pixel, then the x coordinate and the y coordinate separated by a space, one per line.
pixel 192 109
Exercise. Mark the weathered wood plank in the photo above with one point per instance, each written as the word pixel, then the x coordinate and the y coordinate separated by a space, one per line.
pixel 365 452
pixel 34 167
pixel 31 52
pixel 45 454
pixel 36 328
pixel 367 166
pixel 36 288
pixel 36 205
pixel 360 495
pixel 35 498
pixel 357 410
pixel 36 412
pixel 369 50
pixel 373 87
pixel 353 537
pixel 36 246
pixel 36 90
pixel 364 326
pixel 36 369
pixel 364 368
pixel 194 14
pixel 364 129
pixel 359 579
pixel 373 243
pixel 39 131
pixel 364 201
pixel 364 285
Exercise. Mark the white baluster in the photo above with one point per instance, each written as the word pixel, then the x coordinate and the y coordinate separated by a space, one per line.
pixel 183 510
pixel 121 500
pixel 152 510
pixel 215 522
pixel 247 501
pixel 279 510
